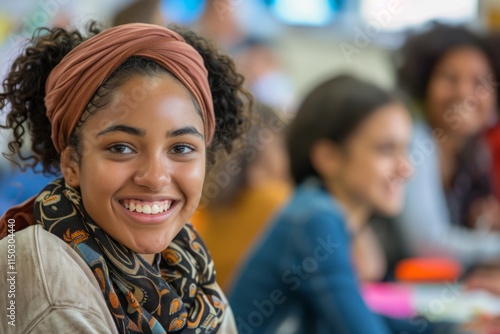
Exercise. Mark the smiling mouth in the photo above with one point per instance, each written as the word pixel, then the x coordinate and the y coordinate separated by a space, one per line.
pixel 148 208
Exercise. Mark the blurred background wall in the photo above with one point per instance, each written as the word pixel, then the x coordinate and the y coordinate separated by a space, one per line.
pixel 313 39
pixel 309 40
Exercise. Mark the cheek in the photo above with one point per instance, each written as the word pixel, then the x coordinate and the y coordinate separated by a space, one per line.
pixel 370 168
pixel 438 93
pixel 358 178
pixel 102 174
pixel 438 101
pixel 190 179
pixel 371 176
pixel 98 184
pixel 487 107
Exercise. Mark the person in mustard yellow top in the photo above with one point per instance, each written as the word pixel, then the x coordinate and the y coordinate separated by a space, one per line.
pixel 243 192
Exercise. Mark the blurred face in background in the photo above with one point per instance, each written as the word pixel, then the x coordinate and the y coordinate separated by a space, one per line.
pixel 271 163
pixel 460 95
pixel 371 166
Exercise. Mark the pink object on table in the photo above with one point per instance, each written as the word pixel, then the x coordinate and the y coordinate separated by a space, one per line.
pixel 390 299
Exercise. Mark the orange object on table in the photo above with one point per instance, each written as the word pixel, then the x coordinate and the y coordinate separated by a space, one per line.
pixel 428 270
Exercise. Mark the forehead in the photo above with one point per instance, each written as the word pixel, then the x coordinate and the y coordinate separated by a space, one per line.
pixel 152 100
pixel 390 120
pixel 142 88
pixel 465 57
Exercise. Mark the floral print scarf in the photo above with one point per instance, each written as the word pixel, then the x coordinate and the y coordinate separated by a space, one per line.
pixel 177 294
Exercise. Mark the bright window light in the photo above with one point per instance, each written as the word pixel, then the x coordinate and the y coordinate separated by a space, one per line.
pixel 182 11
pixel 300 12
pixel 401 14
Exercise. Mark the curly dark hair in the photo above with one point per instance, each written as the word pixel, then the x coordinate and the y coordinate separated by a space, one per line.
pixel 423 51
pixel 24 91
pixel 232 102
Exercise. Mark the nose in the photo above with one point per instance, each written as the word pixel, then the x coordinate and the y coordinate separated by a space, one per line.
pixel 465 89
pixel 153 172
pixel 404 167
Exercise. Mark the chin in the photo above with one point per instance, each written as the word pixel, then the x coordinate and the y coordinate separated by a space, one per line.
pixel 151 248
pixel 468 130
pixel 389 209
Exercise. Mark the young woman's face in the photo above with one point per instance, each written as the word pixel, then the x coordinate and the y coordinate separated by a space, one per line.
pixel 374 165
pixel 460 95
pixel 143 163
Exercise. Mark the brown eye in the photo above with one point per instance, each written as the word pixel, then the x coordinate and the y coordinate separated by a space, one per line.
pixel 182 149
pixel 120 149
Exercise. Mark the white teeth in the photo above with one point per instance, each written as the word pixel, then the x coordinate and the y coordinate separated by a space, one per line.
pixel 149 209
pixel 146 208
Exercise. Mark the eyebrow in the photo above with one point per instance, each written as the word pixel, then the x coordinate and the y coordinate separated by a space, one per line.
pixel 122 128
pixel 187 130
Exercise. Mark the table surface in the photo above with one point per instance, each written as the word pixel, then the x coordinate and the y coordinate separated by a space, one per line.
pixel 448 301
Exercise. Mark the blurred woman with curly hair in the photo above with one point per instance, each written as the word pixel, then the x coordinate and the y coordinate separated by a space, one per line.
pixel 448 73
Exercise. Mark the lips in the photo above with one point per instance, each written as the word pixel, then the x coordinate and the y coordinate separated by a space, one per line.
pixel 146 207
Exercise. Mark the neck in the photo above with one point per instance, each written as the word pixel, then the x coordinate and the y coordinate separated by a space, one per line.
pixel 453 145
pixel 356 213
pixel 149 257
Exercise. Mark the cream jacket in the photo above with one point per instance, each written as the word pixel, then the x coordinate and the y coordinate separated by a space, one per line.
pixel 46 287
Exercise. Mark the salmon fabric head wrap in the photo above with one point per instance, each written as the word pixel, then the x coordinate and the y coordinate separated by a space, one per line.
pixel 72 83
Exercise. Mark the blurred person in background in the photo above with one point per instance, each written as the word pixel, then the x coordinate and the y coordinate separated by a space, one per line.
pixel 493 133
pixel 265 76
pixel 450 210
pixel 347 148
pixel 488 277
pixel 139 11
pixel 243 192
pixel 255 57
pixel 219 23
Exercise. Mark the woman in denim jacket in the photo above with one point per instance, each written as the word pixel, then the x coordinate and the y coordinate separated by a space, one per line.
pixel 347 146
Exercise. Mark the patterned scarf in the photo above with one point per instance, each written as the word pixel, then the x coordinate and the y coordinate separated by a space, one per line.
pixel 178 294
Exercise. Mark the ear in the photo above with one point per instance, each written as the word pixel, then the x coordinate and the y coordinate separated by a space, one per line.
pixel 69 167
pixel 326 158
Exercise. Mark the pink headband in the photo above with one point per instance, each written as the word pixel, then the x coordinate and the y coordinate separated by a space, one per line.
pixel 72 83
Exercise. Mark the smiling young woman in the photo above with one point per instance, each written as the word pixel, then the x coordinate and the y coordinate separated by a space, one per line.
pixel 130 117
pixel 143 173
